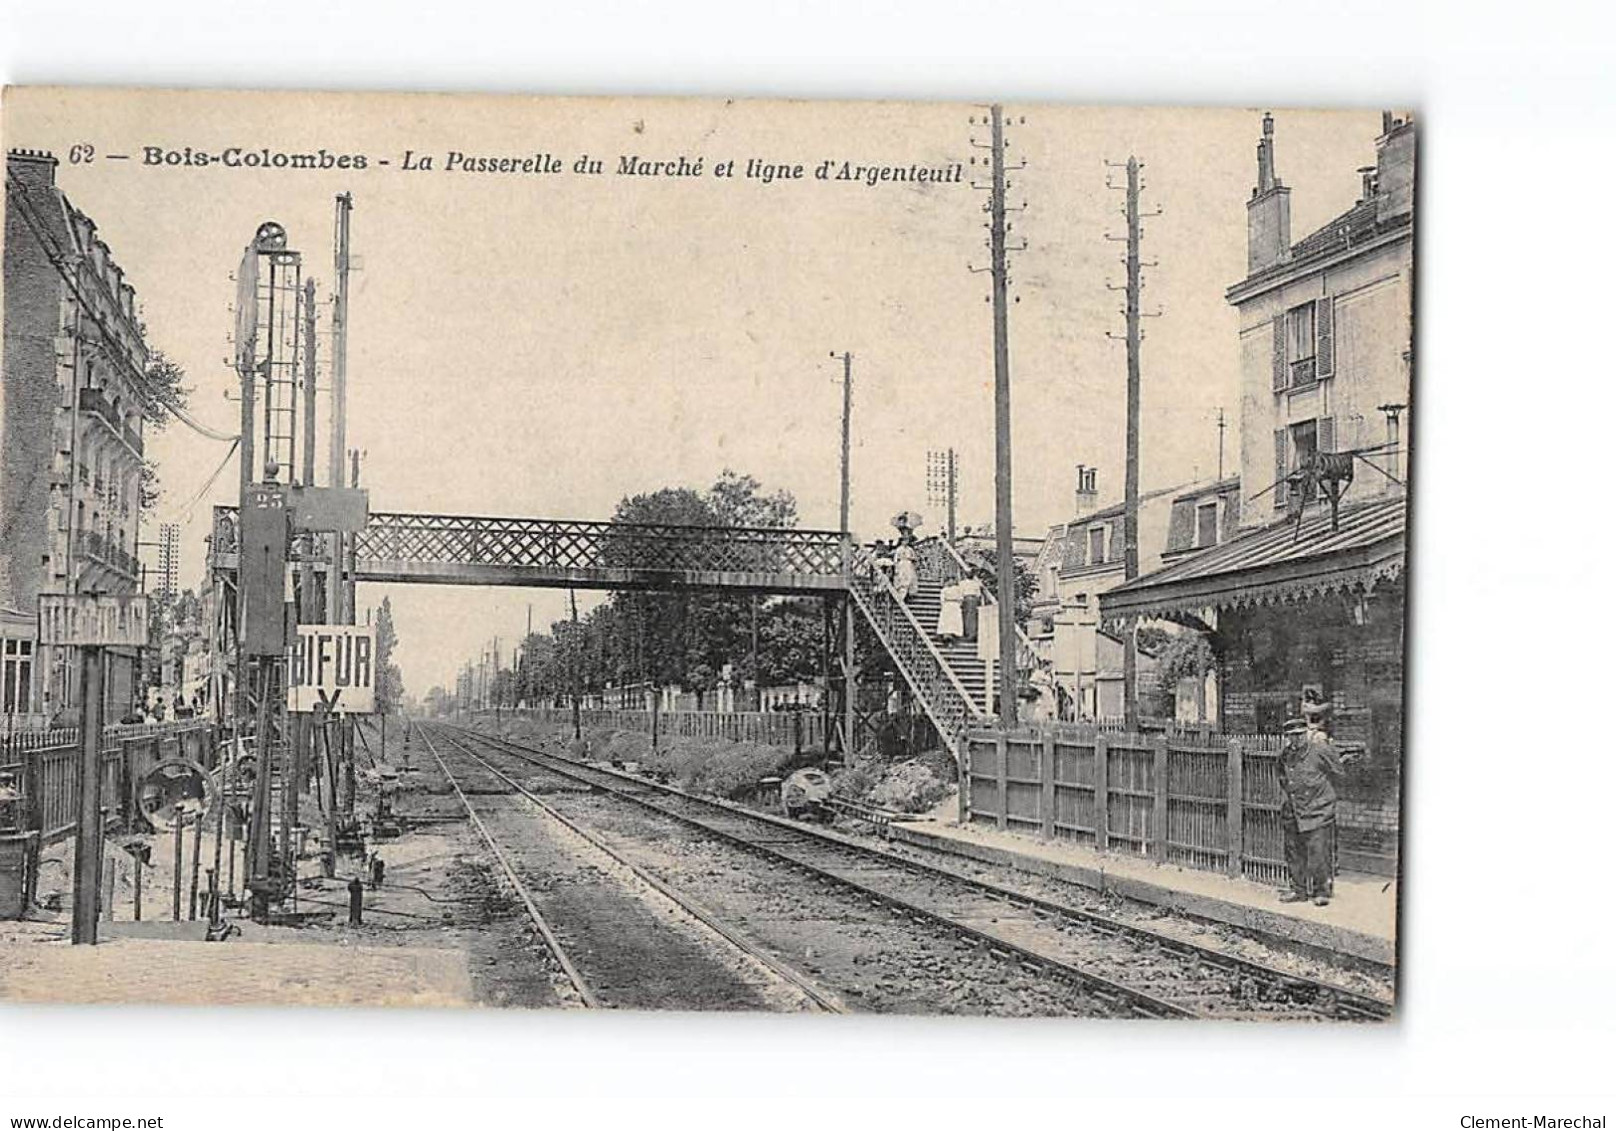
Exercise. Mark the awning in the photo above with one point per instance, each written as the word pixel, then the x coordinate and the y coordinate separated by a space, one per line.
pixel 1274 565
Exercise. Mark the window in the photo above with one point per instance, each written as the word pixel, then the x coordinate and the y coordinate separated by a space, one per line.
pixel 16 677
pixel 1299 339
pixel 1304 444
pixel 1301 345
pixel 1096 545
pixel 1206 524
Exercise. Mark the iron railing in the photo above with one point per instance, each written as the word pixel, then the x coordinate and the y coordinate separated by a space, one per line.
pixel 951 567
pixel 571 545
pixel 666 551
pixel 936 686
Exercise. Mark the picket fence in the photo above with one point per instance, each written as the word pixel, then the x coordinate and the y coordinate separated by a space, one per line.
pixel 1198 800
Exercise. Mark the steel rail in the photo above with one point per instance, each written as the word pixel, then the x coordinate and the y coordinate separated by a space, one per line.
pixel 688 903
pixel 551 942
pixel 1137 1002
pixel 1336 1002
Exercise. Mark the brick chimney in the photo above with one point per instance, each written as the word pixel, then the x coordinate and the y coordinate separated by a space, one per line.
pixel 1394 167
pixel 1088 491
pixel 1268 212
pixel 35 168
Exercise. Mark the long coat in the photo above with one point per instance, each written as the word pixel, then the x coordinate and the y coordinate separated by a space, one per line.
pixel 1307 776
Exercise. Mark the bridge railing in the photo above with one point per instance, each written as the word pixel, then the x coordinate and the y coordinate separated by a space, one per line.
pixel 568 544
pixel 571 545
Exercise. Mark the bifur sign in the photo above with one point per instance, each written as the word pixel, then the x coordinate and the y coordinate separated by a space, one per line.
pixel 332 666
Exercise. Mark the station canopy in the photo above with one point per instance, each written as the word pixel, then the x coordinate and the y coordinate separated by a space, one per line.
pixel 1274 565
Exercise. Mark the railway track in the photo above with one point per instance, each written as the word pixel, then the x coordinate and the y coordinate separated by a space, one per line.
pixel 1139 972
pixel 581 986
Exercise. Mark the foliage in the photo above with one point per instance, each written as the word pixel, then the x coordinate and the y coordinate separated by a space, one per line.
pixel 1151 639
pixel 389 681
pixel 151 489
pixel 164 391
pixel 735 500
pixel 678 638
pixel 438 702
pixel 1187 656
pixel 983 561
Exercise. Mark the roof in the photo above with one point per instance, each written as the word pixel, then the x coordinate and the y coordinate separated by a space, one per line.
pixel 1275 564
pixel 1353 228
pixel 1201 490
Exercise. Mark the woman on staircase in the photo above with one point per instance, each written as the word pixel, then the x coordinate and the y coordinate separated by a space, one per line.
pixel 905 574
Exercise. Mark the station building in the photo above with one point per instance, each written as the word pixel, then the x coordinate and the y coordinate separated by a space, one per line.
pixel 1309 593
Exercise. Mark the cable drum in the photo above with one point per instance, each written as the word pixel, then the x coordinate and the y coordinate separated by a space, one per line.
pixel 172 788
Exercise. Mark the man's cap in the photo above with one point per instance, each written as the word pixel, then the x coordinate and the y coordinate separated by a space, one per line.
pixel 1294 726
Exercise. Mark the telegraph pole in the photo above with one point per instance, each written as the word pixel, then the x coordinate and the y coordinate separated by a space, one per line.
pixel 1130 496
pixel 942 485
pixel 577 668
pixel 338 610
pixel 1221 427
pixel 1130 501
pixel 849 675
pixel 847 436
pixel 1001 420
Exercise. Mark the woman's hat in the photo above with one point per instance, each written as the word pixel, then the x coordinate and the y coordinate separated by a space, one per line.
pixel 1294 726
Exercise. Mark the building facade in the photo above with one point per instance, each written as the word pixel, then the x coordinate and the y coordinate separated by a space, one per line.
pixel 72 423
pixel 1082 559
pixel 1309 593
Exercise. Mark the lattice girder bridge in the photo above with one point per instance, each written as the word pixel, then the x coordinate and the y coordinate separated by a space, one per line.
pixel 564 553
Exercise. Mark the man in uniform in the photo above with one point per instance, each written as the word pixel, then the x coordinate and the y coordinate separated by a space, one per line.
pixel 1309 769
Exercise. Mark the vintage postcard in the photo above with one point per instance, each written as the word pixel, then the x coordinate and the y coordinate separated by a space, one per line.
pixel 704 554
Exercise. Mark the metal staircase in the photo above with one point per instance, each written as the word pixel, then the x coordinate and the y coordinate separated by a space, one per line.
pixel 947 678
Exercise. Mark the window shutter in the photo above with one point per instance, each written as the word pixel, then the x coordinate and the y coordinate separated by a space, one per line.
pixel 1324 328
pixel 1181 526
pixel 1326 433
pixel 1073 558
pixel 1280 470
pixel 1231 515
pixel 1281 372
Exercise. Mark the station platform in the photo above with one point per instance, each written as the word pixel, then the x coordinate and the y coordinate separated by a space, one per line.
pixel 1359 923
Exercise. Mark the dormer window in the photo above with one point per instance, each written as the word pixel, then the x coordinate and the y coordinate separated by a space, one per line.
pixel 1096 545
pixel 1206 525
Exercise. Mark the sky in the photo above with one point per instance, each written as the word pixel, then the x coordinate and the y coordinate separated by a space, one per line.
pixel 545 345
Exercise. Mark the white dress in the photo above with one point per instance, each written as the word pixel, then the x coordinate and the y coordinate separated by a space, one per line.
pixel 951 614
pixel 905 578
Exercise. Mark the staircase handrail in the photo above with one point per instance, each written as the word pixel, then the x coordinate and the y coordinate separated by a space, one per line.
pixel 864 575
pixel 988 599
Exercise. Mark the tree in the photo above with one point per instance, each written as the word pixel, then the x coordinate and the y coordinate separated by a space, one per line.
pixel 164 391
pixel 735 501
pixel 389 681
pixel 675 638
pixel 983 561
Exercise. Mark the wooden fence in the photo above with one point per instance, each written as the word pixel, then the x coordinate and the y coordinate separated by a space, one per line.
pixel 1199 801
pixel 793 730
pixel 46 764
